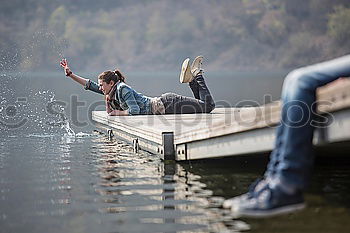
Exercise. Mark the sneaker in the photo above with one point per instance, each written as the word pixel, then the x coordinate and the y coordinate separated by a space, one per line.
pixel 196 66
pixel 269 202
pixel 185 74
pixel 257 186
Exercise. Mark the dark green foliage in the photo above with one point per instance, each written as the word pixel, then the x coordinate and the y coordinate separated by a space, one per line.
pixel 158 34
pixel 339 26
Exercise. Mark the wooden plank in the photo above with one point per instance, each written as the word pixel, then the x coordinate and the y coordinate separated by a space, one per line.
pixel 225 128
pixel 261 140
pixel 332 98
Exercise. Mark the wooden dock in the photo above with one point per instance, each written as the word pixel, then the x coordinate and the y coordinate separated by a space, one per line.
pixel 226 131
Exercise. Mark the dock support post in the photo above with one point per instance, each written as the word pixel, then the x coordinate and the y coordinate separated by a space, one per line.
pixel 168 145
pixel 110 134
pixel 135 143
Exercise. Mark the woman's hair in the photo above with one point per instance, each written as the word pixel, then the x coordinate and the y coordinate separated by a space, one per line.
pixel 108 76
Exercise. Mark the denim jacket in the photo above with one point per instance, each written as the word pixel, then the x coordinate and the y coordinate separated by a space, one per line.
pixel 128 98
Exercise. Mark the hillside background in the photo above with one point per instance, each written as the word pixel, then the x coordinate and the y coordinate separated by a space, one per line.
pixel 155 35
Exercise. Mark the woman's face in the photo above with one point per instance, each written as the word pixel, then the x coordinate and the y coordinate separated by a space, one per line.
pixel 105 87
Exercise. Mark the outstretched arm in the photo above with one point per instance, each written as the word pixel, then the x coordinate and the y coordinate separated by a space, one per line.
pixel 87 83
pixel 69 73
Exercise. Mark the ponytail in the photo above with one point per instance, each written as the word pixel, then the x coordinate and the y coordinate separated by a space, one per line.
pixel 121 77
pixel 108 76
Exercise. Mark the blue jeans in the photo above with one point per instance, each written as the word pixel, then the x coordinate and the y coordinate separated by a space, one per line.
pixel 178 104
pixel 292 159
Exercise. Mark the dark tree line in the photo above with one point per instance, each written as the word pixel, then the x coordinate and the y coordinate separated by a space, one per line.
pixel 158 34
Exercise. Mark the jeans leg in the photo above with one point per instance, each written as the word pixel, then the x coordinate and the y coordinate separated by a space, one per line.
pixel 202 103
pixel 204 94
pixel 194 88
pixel 178 104
pixel 274 156
pixel 295 157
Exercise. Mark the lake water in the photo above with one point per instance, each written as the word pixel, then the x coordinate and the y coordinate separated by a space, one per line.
pixel 87 183
pixel 58 175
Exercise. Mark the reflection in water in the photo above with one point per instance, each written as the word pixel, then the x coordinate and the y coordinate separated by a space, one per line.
pixel 145 194
pixel 87 183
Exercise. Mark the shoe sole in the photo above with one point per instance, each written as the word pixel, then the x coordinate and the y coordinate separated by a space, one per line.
pixel 185 74
pixel 233 201
pixel 271 213
pixel 198 60
pixel 258 187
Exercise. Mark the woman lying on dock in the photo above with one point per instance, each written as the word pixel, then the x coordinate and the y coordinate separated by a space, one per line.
pixel 122 100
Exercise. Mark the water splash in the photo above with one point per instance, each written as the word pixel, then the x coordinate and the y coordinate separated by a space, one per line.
pixel 68 129
pixel 14 66
pixel 60 113
pixel 41 111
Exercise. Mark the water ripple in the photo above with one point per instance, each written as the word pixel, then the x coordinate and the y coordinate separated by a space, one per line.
pixel 98 182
